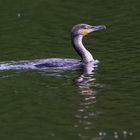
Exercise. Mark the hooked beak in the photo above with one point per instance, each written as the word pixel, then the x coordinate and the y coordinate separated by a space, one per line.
pixel 92 29
pixel 96 28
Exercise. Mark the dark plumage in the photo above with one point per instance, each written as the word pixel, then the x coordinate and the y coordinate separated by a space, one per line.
pixel 77 34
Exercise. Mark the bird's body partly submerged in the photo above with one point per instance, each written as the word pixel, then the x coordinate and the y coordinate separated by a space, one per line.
pixel 77 34
pixel 37 64
pixel 42 64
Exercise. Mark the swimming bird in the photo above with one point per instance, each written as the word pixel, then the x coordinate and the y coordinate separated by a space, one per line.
pixel 77 34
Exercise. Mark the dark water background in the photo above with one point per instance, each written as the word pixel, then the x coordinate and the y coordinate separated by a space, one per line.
pixel 49 105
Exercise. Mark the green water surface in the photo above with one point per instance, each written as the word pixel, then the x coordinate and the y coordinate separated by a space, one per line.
pixel 50 105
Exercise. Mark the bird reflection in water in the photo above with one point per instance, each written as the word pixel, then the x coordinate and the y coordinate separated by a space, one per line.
pixel 86 84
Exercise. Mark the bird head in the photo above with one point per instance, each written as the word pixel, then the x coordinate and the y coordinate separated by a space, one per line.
pixel 84 29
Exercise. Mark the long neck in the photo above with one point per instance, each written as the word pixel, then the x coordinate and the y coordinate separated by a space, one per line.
pixel 81 50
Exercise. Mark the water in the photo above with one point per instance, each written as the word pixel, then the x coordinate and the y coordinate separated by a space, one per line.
pixel 66 104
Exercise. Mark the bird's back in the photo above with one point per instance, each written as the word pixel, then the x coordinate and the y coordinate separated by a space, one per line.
pixel 55 63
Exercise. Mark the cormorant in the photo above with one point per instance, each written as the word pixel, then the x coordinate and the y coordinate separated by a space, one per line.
pixel 77 34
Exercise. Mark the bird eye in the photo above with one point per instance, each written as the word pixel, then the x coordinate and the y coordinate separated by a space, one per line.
pixel 86 27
